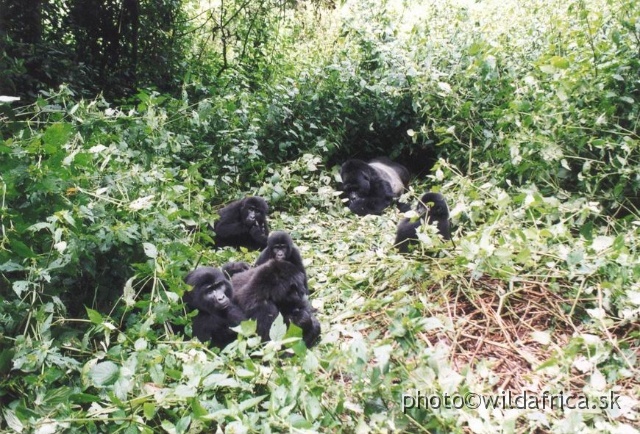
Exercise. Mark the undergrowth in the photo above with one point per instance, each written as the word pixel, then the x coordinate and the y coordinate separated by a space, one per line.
pixel 105 209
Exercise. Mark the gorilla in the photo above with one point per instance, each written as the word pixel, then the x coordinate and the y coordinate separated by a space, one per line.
pixel 274 287
pixel 243 223
pixel 280 247
pixel 438 212
pixel 371 187
pixel 231 268
pixel 212 296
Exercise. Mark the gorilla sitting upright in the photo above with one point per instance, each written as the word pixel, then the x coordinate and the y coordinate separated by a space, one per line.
pixel 372 187
pixel 243 223
pixel 280 247
pixel 276 287
pixel 432 208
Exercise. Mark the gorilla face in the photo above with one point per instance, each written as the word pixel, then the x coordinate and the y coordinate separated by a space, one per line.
pixel 281 248
pixel 216 297
pixel 217 312
pixel 211 290
pixel 356 179
pixel 253 212
pixel 243 223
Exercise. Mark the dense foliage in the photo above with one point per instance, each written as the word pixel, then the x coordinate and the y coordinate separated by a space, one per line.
pixel 525 116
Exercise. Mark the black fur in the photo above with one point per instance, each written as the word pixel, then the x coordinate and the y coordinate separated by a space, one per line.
pixel 276 287
pixel 212 296
pixel 371 187
pixel 431 208
pixel 243 223
pixel 280 246
pixel 231 268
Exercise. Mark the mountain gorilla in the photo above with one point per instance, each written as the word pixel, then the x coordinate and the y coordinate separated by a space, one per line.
pixel 438 212
pixel 371 187
pixel 280 247
pixel 231 268
pixel 276 287
pixel 212 296
pixel 243 223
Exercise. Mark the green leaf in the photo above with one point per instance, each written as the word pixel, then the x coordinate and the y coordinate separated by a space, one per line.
pixel 149 410
pixel 278 329
pixel 559 62
pixel 251 402
pixel 21 249
pixel 183 424
pixel 56 136
pixel 104 373
pixel 312 407
pixel 13 421
pixel 198 410
pixel 150 250
pixel 94 316
pixel 84 398
pixel 548 69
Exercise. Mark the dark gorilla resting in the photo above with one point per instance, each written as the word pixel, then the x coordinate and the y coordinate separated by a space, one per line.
pixel 243 223
pixel 212 296
pixel 432 208
pixel 276 287
pixel 280 247
pixel 372 187
pixel 231 268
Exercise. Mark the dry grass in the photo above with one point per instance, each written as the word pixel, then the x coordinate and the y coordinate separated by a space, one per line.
pixel 496 323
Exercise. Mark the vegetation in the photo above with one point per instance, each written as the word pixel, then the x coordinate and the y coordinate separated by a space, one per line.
pixel 525 116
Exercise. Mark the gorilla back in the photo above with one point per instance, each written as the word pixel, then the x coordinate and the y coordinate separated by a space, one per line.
pixel 372 187
pixel 276 287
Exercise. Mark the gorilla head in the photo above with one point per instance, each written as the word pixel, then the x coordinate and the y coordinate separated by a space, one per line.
pixel 371 187
pixel 217 312
pixel 431 208
pixel 356 178
pixel 253 211
pixel 243 223
pixel 211 290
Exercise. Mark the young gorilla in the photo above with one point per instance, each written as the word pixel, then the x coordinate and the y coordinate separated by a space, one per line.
pixel 276 287
pixel 212 296
pixel 372 187
pixel 231 268
pixel 280 247
pixel 243 223
pixel 438 212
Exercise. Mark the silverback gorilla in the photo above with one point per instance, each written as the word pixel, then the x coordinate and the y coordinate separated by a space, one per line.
pixel 212 296
pixel 276 287
pixel 243 223
pixel 431 208
pixel 372 187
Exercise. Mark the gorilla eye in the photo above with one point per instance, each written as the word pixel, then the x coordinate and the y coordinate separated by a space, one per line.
pixel 214 286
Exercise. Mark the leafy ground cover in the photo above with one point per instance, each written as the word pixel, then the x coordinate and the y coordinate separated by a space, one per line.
pixel 530 114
